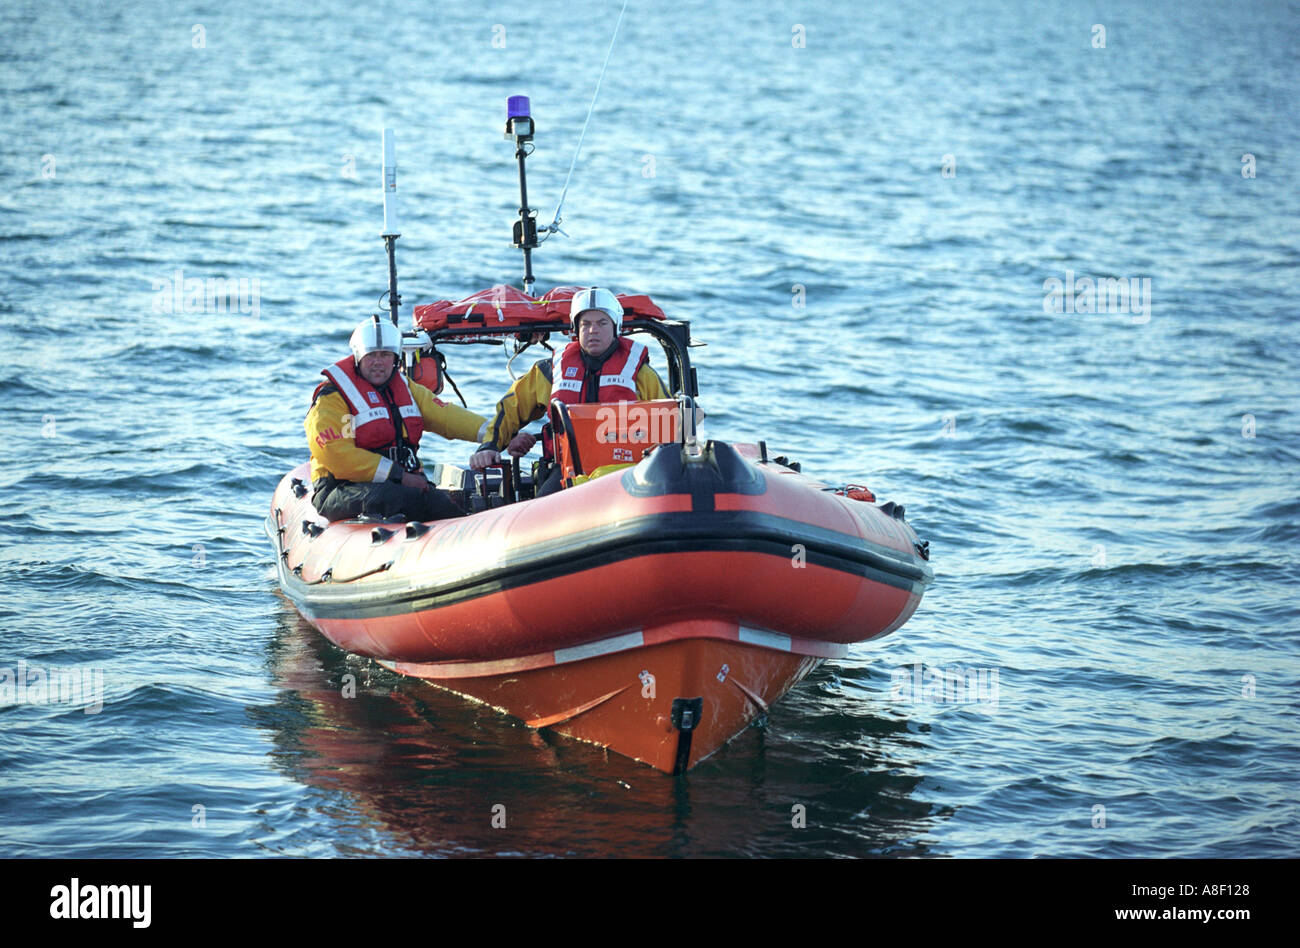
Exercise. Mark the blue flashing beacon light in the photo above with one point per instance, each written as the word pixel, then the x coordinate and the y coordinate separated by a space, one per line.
pixel 519 123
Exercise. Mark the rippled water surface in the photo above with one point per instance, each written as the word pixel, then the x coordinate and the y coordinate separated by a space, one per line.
pixel 860 212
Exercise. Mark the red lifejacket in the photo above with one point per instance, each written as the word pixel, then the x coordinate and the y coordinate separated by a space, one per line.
pixel 372 423
pixel 617 375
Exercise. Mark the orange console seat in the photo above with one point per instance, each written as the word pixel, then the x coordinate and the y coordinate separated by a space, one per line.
pixel 592 436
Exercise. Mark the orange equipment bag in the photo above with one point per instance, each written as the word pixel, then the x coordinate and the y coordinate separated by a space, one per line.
pixel 426 368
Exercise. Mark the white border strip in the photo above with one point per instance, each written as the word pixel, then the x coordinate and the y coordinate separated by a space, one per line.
pixel 774 640
pixel 618 643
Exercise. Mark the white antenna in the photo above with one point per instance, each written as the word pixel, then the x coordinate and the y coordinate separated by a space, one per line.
pixel 391 232
pixel 390 186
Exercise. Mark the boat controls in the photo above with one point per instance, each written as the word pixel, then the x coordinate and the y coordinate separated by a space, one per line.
pixel 476 491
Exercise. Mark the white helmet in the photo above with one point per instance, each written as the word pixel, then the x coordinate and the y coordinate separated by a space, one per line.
pixel 375 334
pixel 596 298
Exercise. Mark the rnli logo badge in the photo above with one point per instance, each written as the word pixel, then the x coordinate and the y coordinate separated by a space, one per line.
pixel 622 454
pixel 571 372
pixel 374 397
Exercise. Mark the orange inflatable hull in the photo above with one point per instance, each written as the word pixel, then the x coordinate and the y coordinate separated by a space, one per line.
pixel 656 612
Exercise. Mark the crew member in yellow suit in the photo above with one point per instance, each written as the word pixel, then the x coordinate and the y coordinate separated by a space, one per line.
pixel 600 366
pixel 364 430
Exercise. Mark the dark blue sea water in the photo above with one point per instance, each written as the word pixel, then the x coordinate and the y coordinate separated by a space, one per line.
pixel 862 210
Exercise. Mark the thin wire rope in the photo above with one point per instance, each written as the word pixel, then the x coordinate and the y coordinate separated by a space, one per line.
pixel 554 225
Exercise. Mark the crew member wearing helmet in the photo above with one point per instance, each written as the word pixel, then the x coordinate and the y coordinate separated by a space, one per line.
pixel 364 431
pixel 601 366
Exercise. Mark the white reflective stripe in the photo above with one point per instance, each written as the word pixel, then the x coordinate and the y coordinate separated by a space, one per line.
pixel 381 472
pixel 557 367
pixel 354 396
pixel 766 639
pixel 483 431
pixel 627 377
pixel 634 356
pixel 349 390
pixel 567 385
pixel 619 643
pixel 623 381
pixel 370 414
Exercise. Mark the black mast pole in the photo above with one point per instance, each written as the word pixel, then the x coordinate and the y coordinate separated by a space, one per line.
pixel 519 126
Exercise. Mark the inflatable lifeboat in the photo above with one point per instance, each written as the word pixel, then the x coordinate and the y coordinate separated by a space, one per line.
pixel 658 604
